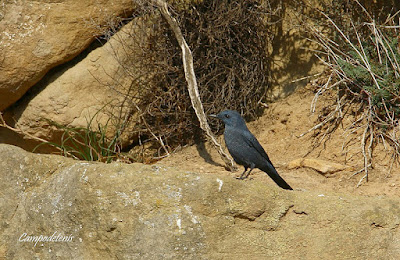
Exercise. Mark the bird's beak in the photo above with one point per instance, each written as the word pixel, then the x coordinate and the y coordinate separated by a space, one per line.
pixel 212 115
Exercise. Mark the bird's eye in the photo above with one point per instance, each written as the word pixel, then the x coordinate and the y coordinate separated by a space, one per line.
pixel 227 116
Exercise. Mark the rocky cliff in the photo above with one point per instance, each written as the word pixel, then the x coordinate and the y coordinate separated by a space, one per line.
pixel 36 36
pixel 116 211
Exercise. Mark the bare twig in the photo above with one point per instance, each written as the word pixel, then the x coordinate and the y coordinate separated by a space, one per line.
pixel 28 135
pixel 360 181
pixel 332 116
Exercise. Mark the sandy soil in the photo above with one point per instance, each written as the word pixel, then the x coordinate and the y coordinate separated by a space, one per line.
pixel 278 131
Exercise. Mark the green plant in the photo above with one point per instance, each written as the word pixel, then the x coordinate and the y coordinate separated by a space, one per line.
pixel 88 143
pixel 362 54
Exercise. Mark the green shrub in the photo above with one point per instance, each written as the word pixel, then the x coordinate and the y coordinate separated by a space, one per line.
pixel 381 81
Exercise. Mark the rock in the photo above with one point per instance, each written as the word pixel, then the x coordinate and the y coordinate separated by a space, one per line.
pixel 322 166
pixel 36 36
pixel 107 211
pixel 93 88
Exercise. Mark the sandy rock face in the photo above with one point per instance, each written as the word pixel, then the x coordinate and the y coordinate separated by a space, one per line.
pixel 322 166
pixel 38 35
pixel 91 89
pixel 154 212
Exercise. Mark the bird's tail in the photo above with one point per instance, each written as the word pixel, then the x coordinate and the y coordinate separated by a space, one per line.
pixel 271 171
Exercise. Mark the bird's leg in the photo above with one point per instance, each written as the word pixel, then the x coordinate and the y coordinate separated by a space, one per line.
pixel 241 176
pixel 251 168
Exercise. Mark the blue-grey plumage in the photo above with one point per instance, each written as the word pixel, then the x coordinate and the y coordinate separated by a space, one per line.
pixel 245 148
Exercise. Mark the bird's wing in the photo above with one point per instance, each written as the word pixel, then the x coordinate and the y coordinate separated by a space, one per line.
pixel 253 142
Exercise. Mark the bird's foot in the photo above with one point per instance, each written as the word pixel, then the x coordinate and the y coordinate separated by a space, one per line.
pixel 241 177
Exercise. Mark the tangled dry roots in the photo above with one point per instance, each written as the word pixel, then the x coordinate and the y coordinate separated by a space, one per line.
pixel 229 42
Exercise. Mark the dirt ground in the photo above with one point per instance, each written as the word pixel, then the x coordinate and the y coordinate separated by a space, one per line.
pixel 278 131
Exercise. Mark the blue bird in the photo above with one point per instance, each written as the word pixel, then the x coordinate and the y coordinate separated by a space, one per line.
pixel 245 149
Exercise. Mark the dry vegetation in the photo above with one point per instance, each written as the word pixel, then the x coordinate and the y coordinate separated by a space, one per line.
pixel 360 48
pixel 228 40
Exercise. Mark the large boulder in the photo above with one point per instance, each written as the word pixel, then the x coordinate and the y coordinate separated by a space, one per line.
pixel 88 210
pixel 92 89
pixel 36 36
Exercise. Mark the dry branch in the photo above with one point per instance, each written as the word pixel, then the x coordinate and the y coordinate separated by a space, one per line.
pixel 187 60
